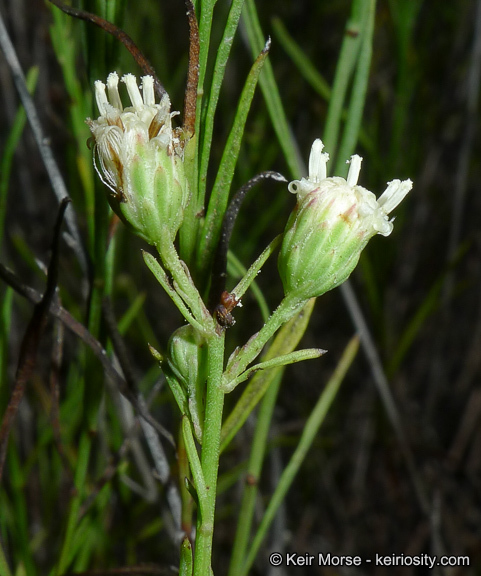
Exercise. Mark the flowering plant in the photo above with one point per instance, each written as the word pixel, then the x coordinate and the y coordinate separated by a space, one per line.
pixel 157 179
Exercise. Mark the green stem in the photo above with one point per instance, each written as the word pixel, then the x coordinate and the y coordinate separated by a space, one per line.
pixel 239 361
pixel 184 474
pixel 184 285
pixel 254 468
pixel 210 455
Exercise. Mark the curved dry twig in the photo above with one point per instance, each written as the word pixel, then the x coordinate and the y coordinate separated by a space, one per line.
pixel 31 340
pixel 219 266
pixel 120 35
pixel 190 101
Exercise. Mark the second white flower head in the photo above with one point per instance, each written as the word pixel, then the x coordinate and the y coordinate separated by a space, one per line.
pixel 347 195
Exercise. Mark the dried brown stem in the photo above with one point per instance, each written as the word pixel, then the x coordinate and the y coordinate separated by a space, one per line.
pixel 31 340
pixel 190 102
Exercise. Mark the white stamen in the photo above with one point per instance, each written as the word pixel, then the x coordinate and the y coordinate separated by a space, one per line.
pixel 133 90
pixel 113 90
pixel 101 97
pixel 148 90
pixel 354 169
pixel 394 194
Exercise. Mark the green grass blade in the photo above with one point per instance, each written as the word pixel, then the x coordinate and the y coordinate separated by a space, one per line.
pixel 271 93
pixel 345 67
pixel 4 569
pixel 301 61
pixel 309 433
pixel 405 342
pixel 311 75
pixel 359 90
pixel 68 544
pixel 218 77
pixel 404 16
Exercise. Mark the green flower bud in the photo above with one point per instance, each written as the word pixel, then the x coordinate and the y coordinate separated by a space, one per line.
pixel 187 360
pixel 140 158
pixel 330 226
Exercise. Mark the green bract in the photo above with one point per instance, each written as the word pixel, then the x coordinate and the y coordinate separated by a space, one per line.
pixel 140 158
pixel 331 224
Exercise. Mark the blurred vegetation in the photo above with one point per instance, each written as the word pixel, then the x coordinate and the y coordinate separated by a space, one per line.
pixel 419 291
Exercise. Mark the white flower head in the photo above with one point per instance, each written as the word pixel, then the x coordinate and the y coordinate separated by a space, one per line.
pixel 332 223
pixel 118 130
pixel 139 156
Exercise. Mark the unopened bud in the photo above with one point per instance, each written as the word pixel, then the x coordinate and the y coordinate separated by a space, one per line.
pixel 187 360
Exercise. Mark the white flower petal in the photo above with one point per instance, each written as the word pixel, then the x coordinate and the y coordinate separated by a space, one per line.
pixel 148 90
pixel 317 162
pixel 354 170
pixel 101 97
pixel 133 90
pixel 113 90
pixel 394 194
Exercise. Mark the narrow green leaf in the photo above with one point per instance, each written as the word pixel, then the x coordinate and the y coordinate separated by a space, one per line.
pixel 186 562
pixel 218 77
pixel 159 273
pixel 282 360
pixel 254 269
pixel 4 569
pixel 302 62
pixel 220 192
pixel 359 90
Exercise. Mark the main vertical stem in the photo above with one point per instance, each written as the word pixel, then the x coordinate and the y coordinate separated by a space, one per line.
pixel 210 454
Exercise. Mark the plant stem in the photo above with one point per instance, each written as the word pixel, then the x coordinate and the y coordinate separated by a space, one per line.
pixel 286 310
pixel 184 284
pixel 254 469
pixel 210 455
